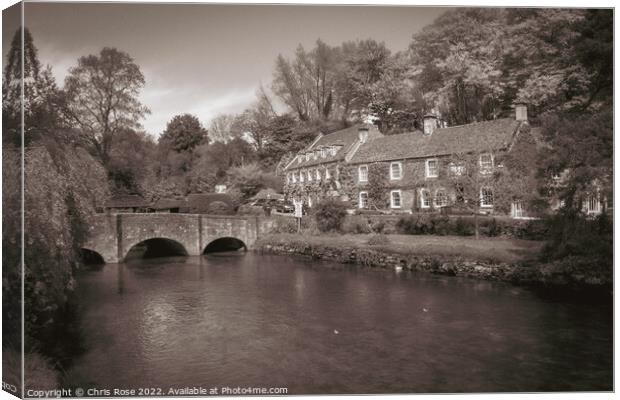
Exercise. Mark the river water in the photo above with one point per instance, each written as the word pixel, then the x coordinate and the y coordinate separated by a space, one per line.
pixel 251 320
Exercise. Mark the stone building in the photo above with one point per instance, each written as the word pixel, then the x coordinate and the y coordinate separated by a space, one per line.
pixel 414 171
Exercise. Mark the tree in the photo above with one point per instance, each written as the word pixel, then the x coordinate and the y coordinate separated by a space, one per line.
pixel 222 129
pixel 102 98
pixel 131 157
pixel 474 181
pixel 41 95
pixel 183 133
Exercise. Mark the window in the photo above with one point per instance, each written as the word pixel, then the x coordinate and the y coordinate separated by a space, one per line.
pixel 315 154
pixel 363 173
pixel 395 201
pixel 486 197
pixel 333 150
pixel 301 176
pixel 592 205
pixel 288 178
pixel 327 175
pixel 299 159
pixel 486 163
pixel 318 174
pixel 516 209
pixel 432 170
pixel 425 198
pixel 363 202
pixel 294 177
pixel 396 170
pixel 456 169
pixel 309 175
pixel 307 156
pixel 323 152
pixel 441 198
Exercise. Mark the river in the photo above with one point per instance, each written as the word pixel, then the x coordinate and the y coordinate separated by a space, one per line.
pixel 251 320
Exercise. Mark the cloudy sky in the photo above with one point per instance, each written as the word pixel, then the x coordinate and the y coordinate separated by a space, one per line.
pixel 206 59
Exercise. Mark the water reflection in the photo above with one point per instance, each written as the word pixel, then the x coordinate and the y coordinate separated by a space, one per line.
pixel 242 319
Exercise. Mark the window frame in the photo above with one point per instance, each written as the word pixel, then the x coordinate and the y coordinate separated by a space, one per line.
pixel 430 201
pixel 360 204
pixel 482 197
pixel 456 169
pixel 400 198
pixel 445 195
pixel 359 173
pixel 517 209
pixel 400 170
pixel 427 169
pixel 487 167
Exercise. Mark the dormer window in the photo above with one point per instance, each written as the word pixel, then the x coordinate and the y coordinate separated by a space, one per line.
pixel 307 156
pixel 486 163
pixel 432 168
pixel 323 152
pixel 396 170
pixel 315 154
pixel 333 150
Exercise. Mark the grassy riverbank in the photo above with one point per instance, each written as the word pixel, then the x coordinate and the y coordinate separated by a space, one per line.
pixel 500 259
pixel 468 248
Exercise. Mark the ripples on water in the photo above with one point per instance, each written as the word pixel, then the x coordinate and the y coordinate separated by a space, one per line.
pixel 276 321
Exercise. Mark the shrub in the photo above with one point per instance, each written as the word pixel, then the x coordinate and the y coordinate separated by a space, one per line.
pixel 329 215
pixel 356 224
pixel 464 227
pixel 378 240
pixel 219 208
pixel 378 226
pixel 285 225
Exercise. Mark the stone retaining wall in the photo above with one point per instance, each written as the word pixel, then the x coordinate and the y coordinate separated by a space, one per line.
pixel 560 275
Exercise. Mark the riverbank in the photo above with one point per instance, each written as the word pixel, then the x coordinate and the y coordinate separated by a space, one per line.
pixel 506 260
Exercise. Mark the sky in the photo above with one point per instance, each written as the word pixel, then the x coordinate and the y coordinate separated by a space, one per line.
pixel 205 59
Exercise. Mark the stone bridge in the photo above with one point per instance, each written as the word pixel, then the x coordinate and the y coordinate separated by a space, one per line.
pixel 111 236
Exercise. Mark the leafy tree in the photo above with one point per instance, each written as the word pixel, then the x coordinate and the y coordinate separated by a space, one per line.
pixel 131 157
pixel 579 150
pixel 102 98
pixel 183 133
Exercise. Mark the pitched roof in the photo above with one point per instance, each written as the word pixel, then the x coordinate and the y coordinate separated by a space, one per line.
pixel 346 138
pixel 479 136
pixel 268 193
pixel 126 201
pixel 163 204
pixel 199 202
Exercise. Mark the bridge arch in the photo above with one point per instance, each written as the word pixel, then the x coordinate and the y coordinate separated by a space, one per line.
pixel 91 257
pixel 224 243
pixel 156 247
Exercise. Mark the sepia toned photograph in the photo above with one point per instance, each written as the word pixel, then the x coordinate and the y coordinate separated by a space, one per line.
pixel 297 199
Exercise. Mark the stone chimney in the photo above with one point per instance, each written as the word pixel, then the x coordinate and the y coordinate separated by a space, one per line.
pixel 431 122
pixel 521 112
pixel 362 132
